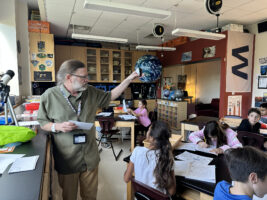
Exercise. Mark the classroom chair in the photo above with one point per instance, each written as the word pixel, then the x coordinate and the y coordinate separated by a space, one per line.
pixel 107 124
pixel 250 139
pixel 145 192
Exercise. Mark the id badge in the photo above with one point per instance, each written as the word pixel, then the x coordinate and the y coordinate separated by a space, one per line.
pixel 79 138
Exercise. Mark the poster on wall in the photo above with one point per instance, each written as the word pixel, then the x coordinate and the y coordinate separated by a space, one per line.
pixel 186 56
pixel 209 52
pixel 234 106
pixel 239 62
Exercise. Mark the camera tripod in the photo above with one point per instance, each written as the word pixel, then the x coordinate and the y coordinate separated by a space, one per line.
pixel 4 94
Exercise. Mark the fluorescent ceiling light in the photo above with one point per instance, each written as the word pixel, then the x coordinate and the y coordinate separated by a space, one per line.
pixel 158 48
pixel 197 34
pixel 125 8
pixel 98 38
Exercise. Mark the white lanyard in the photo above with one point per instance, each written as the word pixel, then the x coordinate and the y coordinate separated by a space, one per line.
pixel 78 112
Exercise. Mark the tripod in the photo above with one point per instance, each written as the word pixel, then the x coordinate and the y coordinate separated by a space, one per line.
pixel 4 92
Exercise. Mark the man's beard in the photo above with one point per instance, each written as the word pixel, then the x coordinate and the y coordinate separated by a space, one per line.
pixel 79 87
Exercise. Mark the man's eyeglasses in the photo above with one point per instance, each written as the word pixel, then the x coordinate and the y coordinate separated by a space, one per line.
pixel 83 77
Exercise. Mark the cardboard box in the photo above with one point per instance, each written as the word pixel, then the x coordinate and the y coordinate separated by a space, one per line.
pixel 38 26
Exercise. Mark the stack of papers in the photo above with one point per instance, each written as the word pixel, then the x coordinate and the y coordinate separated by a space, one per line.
pixel 194 170
pixel 24 164
pixel 195 147
pixel 104 114
pixel 127 117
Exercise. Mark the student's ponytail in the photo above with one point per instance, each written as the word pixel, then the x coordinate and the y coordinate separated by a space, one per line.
pixel 161 134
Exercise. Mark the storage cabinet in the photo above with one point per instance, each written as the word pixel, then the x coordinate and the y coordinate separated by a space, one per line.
pixel 104 65
pixel 172 112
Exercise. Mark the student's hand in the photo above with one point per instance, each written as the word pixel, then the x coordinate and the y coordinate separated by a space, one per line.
pixel 202 144
pixel 65 126
pixel 217 151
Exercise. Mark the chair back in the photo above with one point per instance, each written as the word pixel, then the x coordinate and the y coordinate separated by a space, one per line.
pixel 145 192
pixel 106 124
pixel 250 139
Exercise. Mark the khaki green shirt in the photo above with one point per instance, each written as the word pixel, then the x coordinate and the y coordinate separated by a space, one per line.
pixel 69 157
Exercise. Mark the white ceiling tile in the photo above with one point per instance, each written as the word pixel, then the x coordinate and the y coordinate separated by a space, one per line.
pixel 253 6
pixel 235 3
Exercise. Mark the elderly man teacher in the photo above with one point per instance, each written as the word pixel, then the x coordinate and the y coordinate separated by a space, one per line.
pixel 75 151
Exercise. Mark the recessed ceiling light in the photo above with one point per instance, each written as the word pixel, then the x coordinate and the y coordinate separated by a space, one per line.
pixel 198 34
pixel 98 38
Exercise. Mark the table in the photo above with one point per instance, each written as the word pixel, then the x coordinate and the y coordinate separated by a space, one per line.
pixel 122 123
pixel 193 189
pixel 194 124
pixel 29 185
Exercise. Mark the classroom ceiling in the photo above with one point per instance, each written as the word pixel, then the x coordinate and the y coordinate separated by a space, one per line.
pixel 188 14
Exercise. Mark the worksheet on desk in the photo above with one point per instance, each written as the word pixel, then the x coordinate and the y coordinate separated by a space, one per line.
pixel 7 159
pixel 187 156
pixel 24 164
pixel 195 147
pixel 194 170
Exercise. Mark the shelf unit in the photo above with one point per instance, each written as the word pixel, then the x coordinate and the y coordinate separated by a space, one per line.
pixel 172 112
pixel 104 65
pixel 91 64
pixel 116 61
pixel 128 63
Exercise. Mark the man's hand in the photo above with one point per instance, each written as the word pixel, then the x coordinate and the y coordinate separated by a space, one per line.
pixel 65 126
pixel 217 151
pixel 133 75
pixel 202 144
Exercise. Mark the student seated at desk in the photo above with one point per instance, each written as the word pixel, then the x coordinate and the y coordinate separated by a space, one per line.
pixel 216 135
pixel 248 169
pixel 142 115
pixel 154 166
pixel 263 120
pixel 251 124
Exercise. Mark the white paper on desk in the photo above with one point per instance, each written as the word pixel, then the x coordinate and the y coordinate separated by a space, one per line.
pixel 105 114
pixel 82 125
pixel 193 170
pixel 186 156
pixel 7 159
pixel 124 106
pixel 127 117
pixel 24 164
pixel 187 146
pixel 202 172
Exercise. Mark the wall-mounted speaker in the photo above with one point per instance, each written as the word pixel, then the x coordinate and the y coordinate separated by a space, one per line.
pixel 262 27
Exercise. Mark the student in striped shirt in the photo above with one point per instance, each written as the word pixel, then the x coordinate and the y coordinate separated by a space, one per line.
pixel 216 135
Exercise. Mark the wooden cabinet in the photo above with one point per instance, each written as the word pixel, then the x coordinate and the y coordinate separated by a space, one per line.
pixel 42 57
pixel 104 65
pixel 172 112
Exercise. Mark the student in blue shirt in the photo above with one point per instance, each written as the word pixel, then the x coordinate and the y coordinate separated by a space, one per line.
pixel 248 170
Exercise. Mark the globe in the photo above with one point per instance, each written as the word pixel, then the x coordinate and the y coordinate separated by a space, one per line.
pixel 150 67
pixel 179 94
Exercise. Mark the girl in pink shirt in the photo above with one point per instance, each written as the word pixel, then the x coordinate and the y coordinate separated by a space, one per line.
pixel 217 135
pixel 142 115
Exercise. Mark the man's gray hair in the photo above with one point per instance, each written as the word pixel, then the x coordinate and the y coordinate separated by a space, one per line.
pixel 68 67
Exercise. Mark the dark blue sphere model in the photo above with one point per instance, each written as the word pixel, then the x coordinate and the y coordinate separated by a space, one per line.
pixel 151 68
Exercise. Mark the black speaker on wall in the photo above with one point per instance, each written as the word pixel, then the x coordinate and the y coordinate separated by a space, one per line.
pixel 262 27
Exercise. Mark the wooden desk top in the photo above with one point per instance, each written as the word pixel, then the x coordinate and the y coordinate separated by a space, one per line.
pixel 200 120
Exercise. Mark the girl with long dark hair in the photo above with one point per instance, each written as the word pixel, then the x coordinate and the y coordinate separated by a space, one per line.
pixel 154 166
pixel 216 135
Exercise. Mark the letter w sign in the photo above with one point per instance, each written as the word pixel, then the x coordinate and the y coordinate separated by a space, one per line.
pixel 239 62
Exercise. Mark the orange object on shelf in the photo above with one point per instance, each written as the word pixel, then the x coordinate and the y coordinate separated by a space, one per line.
pixel 38 26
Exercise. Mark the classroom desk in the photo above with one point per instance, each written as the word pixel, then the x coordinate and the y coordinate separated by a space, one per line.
pixel 29 185
pixel 122 123
pixel 194 124
pixel 193 189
